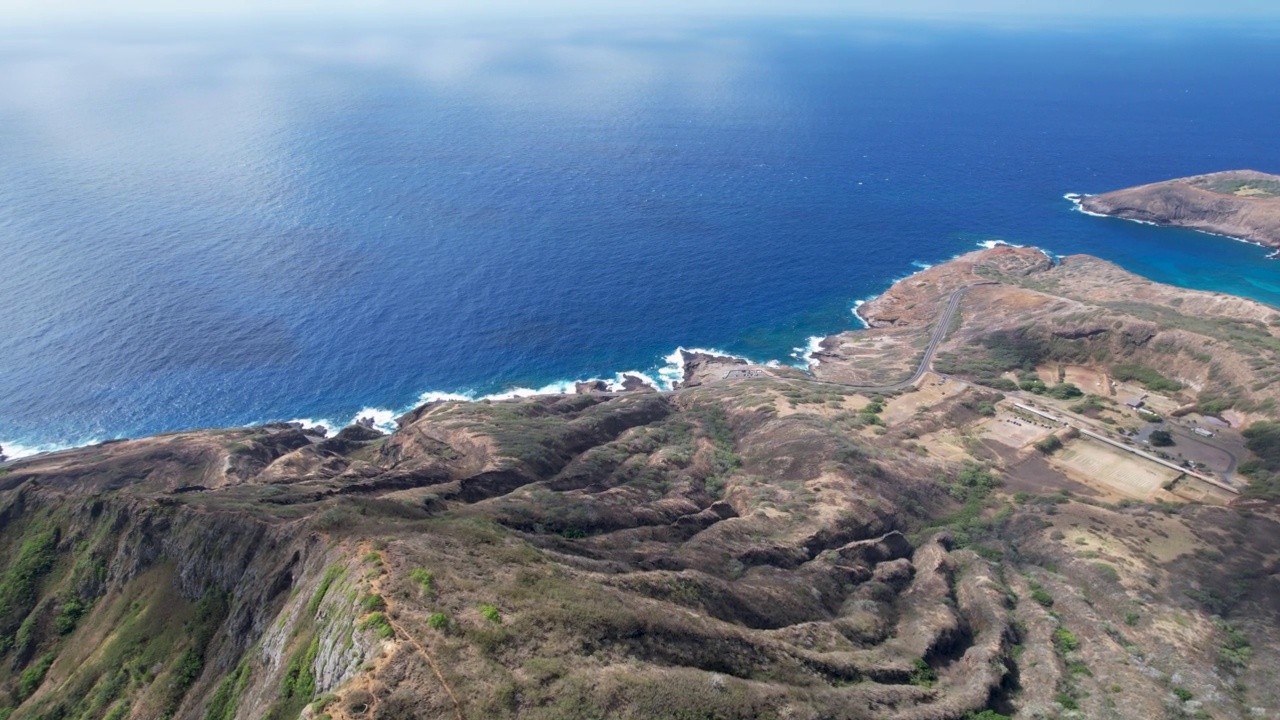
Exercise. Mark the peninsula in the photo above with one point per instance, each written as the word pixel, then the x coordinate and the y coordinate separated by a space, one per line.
pixel 1033 488
pixel 1242 204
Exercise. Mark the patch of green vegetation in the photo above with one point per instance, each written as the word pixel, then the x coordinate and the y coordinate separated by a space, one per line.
pixel 490 613
pixel 1263 440
pixel 985 715
pixel 922 675
pixel 1065 391
pixel 1240 186
pixel 330 575
pixel 1049 445
pixel 371 602
pixel 1065 640
pixel 974 481
pixel 1150 379
pixel 209 614
pixel 1183 694
pixel 378 623
pixel 1131 618
pixel 31 678
pixel 1235 651
pixel 1066 701
pixel 1160 438
pixel 20 584
pixel 73 608
pixel 439 621
pixel 1032 384
pixel 724 460
pixel 298 688
pixel 321 703
pixel 424 579
pixel 1107 571
pixel 1041 596
pixel 227 697
pixel 1090 406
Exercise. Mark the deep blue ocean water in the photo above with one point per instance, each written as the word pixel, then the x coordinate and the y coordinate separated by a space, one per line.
pixel 227 226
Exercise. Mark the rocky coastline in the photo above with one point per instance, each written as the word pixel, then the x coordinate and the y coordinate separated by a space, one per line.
pixel 1239 204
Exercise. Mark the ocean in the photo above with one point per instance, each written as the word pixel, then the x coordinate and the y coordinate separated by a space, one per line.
pixel 217 226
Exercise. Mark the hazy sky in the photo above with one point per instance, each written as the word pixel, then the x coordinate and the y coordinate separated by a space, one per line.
pixel 89 10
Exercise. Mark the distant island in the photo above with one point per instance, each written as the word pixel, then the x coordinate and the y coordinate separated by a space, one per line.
pixel 1241 204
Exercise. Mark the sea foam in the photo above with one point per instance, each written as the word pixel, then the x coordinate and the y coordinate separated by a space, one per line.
pixel 805 354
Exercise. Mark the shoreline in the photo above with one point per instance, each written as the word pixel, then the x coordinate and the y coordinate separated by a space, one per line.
pixel 661 378
pixel 1077 199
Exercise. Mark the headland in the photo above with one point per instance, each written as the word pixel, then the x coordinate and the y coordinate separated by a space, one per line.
pixel 1240 204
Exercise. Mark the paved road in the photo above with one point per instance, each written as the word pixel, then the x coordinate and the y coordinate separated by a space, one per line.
pixel 1185 435
pixel 926 362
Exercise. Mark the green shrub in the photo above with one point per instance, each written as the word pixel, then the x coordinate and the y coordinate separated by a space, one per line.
pixel 378 623
pixel 1041 596
pixel 31 678
pixel 1150 379
pixel 1263 440
pixel 330 576
pixel 1049 445
pixel 1033 385
pixel 424 578
pixel 227 697
pixel 973 482
pixel 923 675
pixel 438 621
pixel 1235 651
pixel 1065 391
pixel 1065 640
pixel 73 608
pixel 490 613
pixel 1091 405
pixel 1183 694
pixel 18 587
pixel 371 602
pixel 1066 701
pixel 1107 571
pixel 1161 438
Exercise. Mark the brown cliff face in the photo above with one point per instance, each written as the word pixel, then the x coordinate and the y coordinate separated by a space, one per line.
pixel 1243 204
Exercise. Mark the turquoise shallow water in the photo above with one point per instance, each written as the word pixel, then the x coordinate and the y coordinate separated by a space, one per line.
pixel 215 227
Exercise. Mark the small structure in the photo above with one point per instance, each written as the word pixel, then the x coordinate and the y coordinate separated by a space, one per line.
pixel 744 374
pixel 1135 403
pixel 1201 432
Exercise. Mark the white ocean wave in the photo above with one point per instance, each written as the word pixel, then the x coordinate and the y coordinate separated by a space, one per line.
pixel 1078 198
pixel 805 354
pixel 14 450
pixel 856 306
pixel 992 244
pixel 673 371
pixel 329 426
